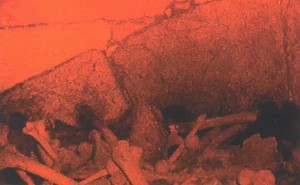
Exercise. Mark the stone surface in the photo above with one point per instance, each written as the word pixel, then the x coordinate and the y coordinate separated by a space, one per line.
pixel 258 153
pixel 264 177
pixel 246 176
pixel 249 177
pixel 221 57
pixel 292 41
pixel 148 132
pixel 55 94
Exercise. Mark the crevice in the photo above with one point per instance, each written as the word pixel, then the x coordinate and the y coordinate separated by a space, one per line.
pixel 34 25
pixel 140 20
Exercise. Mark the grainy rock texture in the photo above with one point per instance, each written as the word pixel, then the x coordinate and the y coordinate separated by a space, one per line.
pixel 291 12
pixel 55 94
pixel 148 132
pixel 223 56
pixel 258 153
pixel 220 57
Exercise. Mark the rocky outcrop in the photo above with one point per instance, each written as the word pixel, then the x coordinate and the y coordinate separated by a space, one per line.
pixel 56 94
pixel 220 57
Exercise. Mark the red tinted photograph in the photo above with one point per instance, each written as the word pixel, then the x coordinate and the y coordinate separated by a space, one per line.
pixel 149 92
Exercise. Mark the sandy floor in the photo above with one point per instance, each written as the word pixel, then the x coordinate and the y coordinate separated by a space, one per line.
pixel 37 35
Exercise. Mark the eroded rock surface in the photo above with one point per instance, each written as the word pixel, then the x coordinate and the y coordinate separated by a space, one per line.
pixel 223 56
pixel 220 57
pixel 56 94
pixel 148 132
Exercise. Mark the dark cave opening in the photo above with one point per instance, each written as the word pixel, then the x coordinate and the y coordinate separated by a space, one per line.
pixel 176 114
pixel 279 121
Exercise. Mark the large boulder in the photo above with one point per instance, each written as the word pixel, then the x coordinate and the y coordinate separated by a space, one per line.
pixel 57 93
pixel 221 57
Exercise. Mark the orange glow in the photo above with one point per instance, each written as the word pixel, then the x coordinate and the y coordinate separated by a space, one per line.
pixel 199 61
pixel 70 27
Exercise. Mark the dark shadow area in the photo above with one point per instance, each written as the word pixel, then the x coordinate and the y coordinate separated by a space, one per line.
pixel 123 127
pixel 87 120
pixel 9 176
pixel 171 150
pixel 2 118
pixel 176 114
pixel 281 122
pixel 17 121
pixel 68 134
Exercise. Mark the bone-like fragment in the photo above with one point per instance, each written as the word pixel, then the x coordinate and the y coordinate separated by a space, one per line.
pixel 192 140
pixel 109 136
pixel 101 149
pixel 170 177
pixel 38 131
pixel 45 158
pixel 94 177
pixel 199 123
pixel 96 122
pixel 116 175
pixel 27 179
pixel 219 173
pixel 209 137
pixel 193 177
pixel 112 168
pixel 172 140
pixel 11 158
pixel 128 159
pixel 240 118
pixel 175 138
pixel 228 133
pixel 94 165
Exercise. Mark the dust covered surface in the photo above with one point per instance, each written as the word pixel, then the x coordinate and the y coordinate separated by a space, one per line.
pixel 206 94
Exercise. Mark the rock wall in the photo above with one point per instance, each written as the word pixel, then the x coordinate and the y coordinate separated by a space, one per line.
pixel 56 94
pixel 220 57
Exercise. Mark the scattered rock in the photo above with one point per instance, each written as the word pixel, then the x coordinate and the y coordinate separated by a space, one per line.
pixel 258 153
pixel 264 177
pixel 192 142
pixel 251 177
pixel 246 176
pixel 162 166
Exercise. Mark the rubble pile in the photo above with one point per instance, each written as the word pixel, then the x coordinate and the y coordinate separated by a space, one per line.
pixel 100 118
pixel 199 152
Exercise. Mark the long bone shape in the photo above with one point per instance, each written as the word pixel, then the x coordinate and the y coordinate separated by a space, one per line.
pixel 38 131
pixel 11 158
pixel 128 159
